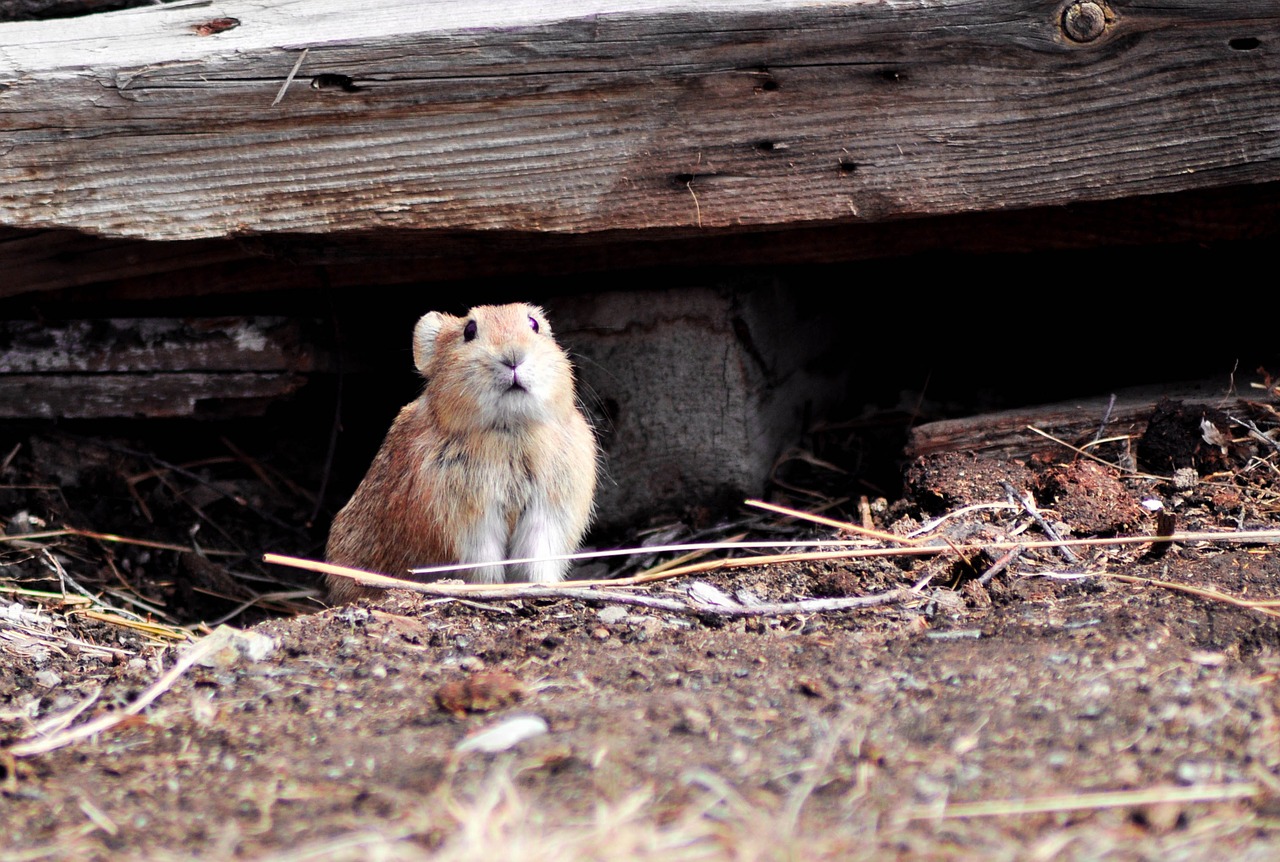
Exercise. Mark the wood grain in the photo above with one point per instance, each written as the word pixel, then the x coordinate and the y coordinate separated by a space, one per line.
pixel 572 117
pixel 155 344
pixel 153 396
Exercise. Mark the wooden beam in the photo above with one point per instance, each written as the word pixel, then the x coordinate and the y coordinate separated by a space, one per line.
pixel 77 267
pixel 580 116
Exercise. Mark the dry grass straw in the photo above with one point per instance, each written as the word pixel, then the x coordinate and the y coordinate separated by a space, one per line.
pixel 45 597
pixel 1084 453
pixel 1084 801
pixel 21 538
pixel 86 604
pixel 158 631
pixel 42 744
pixel 500 820
pixel 1269 607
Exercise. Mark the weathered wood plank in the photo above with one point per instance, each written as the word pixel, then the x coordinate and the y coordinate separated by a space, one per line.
pixel 153 396
pixel 154 344
pixel 576 116
pixel 159 367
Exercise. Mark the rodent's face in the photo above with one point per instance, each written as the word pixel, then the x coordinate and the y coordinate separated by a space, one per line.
pixel 497 368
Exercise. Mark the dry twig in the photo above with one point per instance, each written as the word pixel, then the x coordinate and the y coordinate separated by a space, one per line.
pixel 999 566
pixel 1029 505
pixel 683 559
pixel 585 591
pixel 519 590
pixel 828 522
pixel 1256 433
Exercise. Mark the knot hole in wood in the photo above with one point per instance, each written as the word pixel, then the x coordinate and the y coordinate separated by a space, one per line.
pixel 1087 20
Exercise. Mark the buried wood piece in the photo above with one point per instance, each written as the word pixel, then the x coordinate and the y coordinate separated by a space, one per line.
pixel 1006 433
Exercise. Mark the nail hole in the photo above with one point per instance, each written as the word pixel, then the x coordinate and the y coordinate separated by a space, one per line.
pixel 771 146
pixel 765 82
pixel 217 25
pixel 1247 43
pixel 683 181
pixel 848 166
pixel 893 75
pixel 329 81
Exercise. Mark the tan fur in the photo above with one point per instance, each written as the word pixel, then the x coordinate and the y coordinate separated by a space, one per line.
pixel 473 471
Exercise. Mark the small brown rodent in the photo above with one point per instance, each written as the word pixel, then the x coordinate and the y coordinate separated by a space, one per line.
pixel 493 461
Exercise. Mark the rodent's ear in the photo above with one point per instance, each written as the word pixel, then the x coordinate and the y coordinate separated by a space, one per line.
pixel 544 325
pixel 424 339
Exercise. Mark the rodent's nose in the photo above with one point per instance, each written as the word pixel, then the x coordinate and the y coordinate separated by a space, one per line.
pixel 512 361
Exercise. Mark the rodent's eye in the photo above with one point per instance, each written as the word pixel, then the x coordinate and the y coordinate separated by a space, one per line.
pixel 533 324
pixel 469 331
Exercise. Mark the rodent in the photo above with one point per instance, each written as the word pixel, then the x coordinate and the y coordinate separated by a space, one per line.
pixel 493 461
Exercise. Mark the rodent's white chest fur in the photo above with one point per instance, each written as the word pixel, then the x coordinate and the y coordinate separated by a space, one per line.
pixel 501 391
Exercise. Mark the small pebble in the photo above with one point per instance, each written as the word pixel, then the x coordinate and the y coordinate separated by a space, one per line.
pixel 1191 772
pixel 955 635
pixel 695 721
pixel 612 614
pixel 504 735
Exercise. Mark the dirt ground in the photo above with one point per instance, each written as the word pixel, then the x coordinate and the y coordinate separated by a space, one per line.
pixel 1054 711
